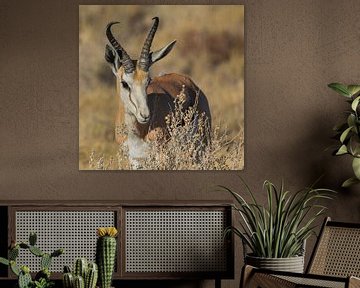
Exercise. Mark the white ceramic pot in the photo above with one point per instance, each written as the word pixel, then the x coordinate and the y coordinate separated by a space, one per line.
pixel 291 264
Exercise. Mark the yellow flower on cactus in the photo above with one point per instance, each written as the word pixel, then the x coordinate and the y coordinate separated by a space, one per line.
pixel 107 231
pixel 101 231
pixel 112 231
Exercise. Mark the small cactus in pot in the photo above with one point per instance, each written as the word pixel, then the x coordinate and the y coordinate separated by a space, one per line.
pixel 106 254
pixel 85 275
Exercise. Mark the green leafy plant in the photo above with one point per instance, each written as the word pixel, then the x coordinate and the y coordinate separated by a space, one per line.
pixel 43 283
pixel 348 132
pixel 42 278
pixel 279 229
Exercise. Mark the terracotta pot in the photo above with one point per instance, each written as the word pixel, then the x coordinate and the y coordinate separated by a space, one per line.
pixel 291 264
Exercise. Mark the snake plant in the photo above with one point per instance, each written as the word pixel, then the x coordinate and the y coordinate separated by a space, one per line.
pixel 280 228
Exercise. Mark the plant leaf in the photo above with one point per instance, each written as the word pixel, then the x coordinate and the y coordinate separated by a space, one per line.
pixel 353 89
pixel 345 134
pixel 279 228
pixel 349 182
pixel 355 103
pixel 354 145
pixel 340 88
pixel 356 167
pixel 351 120
pixel 342 150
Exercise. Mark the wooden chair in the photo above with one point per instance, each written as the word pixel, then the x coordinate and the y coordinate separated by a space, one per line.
pixel 334 263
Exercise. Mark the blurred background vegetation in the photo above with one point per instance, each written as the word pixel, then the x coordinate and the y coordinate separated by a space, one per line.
pixel 209 48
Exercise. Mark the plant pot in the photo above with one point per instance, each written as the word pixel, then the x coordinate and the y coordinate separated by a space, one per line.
pixel 291 264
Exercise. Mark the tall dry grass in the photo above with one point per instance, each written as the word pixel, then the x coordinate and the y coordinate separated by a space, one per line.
pixel 209 49
pixel 188 143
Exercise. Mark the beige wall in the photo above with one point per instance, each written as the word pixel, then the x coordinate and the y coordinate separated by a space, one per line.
pixel 293 49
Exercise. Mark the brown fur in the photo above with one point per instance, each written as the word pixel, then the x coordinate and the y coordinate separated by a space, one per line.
pixel 163 90
pixel 140 75
pixel 161 93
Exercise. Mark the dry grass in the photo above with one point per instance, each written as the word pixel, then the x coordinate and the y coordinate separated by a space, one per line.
pixel 188 143
pixel 208 48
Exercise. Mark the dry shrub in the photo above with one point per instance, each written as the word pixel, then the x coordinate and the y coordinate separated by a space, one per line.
pixel 188 143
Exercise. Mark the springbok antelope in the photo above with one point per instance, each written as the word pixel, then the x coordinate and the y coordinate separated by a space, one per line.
pixel 144 101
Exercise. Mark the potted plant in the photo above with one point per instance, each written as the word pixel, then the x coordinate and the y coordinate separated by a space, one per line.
pixel 276 233
pixel 106 254
pixel 84 274
pixel 87 274
pixel 348 132
pixel 42 278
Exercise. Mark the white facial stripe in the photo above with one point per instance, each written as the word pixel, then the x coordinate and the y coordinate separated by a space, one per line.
pixel 131 101
pixel 134 96
pixel 129 81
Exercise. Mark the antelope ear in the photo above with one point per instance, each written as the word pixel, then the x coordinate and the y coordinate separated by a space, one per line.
pixel 112 58
pixel 109 54
pixel 159 54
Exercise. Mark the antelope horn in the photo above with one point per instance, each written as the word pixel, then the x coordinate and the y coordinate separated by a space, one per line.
pixel 124 57
pixel 144 61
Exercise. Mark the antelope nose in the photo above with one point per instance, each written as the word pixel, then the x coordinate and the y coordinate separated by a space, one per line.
pixel 146 116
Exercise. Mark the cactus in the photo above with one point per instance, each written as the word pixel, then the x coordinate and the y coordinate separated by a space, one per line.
pixel 24 246
pixel 79 282
pixel 80 268
pixel 32 238
pixel 13 253
pixel 87 272
pixel 24 280
pixel 4 261
pixel 45 261
pixel 42 278
pixel 91 276
pixel 36 251
pixel 68 280
pixel 14 268
pixel 106 254
pixel 67 269
pixel 25 269
pixel 57 252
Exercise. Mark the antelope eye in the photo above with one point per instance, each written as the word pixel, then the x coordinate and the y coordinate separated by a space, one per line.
pixel 125 85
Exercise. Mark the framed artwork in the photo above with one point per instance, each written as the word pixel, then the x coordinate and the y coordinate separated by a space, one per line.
pixel 161 87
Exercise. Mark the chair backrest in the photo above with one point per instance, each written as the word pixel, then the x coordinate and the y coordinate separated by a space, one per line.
pixel 337 251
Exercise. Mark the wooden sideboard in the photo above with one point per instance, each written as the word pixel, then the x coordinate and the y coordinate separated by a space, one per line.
pixel 157 240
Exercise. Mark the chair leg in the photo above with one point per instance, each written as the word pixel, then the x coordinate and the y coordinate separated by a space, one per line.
pixel 217 283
